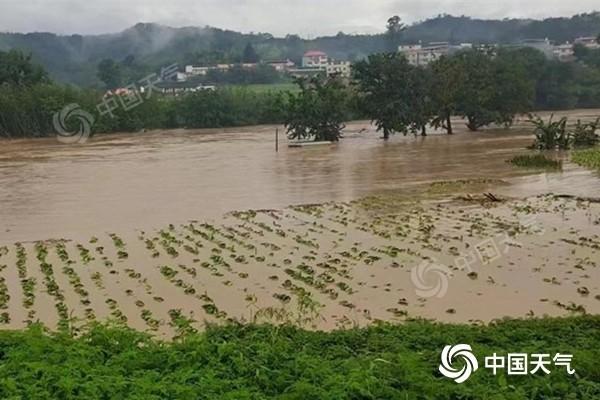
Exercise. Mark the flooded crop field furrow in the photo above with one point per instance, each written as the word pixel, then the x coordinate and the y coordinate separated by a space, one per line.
pixel 517 257
pixel 324 237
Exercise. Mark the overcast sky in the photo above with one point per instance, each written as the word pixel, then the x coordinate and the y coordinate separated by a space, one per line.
pixel 305 17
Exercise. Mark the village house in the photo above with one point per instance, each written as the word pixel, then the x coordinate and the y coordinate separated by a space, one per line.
pixel 419 55
pixel 281 65
pixel 315 59
pixel 590 42
pixel 317 62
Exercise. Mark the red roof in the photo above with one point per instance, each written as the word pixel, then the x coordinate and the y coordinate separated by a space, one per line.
pixel 315 53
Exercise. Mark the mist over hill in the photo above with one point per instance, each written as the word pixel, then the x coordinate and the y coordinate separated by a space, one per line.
pixel 147 46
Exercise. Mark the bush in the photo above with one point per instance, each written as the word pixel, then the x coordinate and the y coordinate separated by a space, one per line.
pixel 550 135
pixel 270 362
pixel 584 134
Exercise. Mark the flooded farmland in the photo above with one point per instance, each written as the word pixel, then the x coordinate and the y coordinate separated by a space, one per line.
pixel 162 229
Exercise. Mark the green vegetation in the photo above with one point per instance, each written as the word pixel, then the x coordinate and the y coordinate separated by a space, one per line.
pixel 584 134
pixel 73 59
pixel 317 112
pixel 536 161
pixel 260 362
pixel 588 158
pixel 483 86
pixel 558 135
pixel 393 93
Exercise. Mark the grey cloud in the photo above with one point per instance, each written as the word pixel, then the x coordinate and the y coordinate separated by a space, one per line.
pixel 305 17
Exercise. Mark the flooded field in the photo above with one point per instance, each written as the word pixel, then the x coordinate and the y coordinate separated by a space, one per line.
pixel 141 181
pixel 147 229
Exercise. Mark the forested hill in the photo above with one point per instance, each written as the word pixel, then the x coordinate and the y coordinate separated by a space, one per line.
pixel 74 58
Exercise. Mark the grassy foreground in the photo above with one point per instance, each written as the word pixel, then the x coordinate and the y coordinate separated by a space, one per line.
pixel 260 362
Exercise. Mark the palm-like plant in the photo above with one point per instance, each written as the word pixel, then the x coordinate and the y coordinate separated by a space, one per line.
pixel 550 135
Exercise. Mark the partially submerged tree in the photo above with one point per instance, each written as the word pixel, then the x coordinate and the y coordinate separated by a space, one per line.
pixel 317 111
pixel 447 80
pixel 476 92
pixel 514 91
pixel 388 84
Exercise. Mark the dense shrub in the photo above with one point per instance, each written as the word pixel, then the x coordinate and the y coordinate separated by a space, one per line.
pixel 263 362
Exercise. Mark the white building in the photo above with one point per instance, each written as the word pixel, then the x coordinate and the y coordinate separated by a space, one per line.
pixel 315 62
pixel 419 55
pixel 281 65
pixel 590 42
pixel 341 68
pixel 192 70
pixel 315 59
pixel 563 52
pixel 542 45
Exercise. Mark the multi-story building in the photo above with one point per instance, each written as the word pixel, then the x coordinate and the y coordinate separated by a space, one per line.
pixel 563 52
pixel 590 42
pixel 314 59
pixel 419 55
pixel 542 45
pixel 281 65
pixel 341 68
pixel 192 70
pixel 317 62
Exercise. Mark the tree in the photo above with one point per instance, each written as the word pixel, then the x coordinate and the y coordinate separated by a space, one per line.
pixel 17 69
pixel 110 73
pixel 394 30
pixel 250 56
pixel 420 100
pixel 317 111
pixel 447 80
pixel 475 93
pixel 388 87
pixel 514 87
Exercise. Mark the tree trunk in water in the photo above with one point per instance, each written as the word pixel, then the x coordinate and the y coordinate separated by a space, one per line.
pixel 449 125
pixel 472 125
pixel 423 131
pixel 386 134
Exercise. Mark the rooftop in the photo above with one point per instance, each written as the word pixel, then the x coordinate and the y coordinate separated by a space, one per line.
pixel 315 53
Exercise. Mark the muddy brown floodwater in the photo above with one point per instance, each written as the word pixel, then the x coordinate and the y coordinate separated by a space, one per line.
pixel 167 230
pixel 139 181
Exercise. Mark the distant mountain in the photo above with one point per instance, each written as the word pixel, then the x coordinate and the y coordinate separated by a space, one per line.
pixel 147 47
